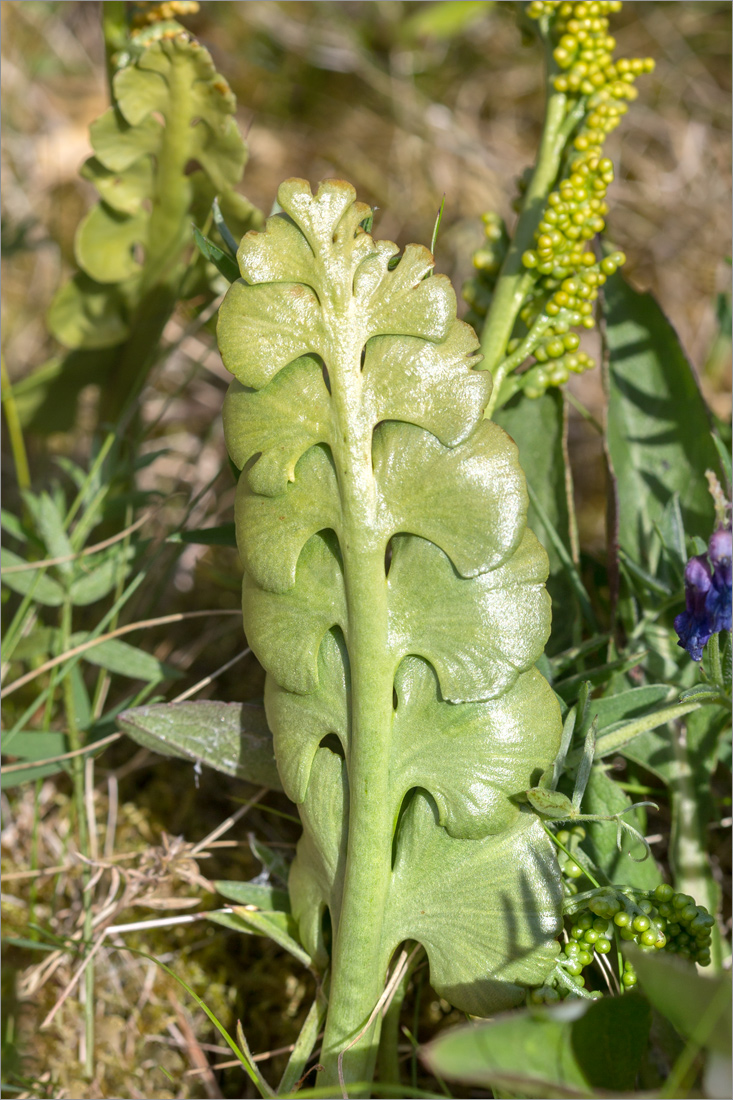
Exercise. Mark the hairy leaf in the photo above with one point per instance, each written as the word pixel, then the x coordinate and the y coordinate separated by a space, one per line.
pixel 230 737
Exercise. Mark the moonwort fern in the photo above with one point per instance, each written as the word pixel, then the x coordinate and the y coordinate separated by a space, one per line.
pixel 396 599
pixel 163 151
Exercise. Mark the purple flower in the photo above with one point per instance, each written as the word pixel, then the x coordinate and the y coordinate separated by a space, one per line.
pixel 707 596
pixel 720 550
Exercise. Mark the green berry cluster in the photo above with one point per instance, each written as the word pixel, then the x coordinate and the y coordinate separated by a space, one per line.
pixel 658 920
pixel 669 920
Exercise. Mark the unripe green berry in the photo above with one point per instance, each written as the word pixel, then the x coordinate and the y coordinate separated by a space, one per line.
pixel 640 923
pixel 603 945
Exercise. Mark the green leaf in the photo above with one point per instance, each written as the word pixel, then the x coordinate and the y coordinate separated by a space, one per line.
pixel 221 260
pixel 724 456
pixel 537 426
pixel 165 149
pixel 396 600
pixel 446 19
pixel 222 535
pixel 701 693
pixel 632 703
pixel 699 1006
pixel 578 1049
pixel 224 231
pixel 304 1045
pixel 93 582
pixel 619 736
pixel 33 746
pixel 658 426
pixel 88 314
pixel 550 804
pixel 279 927
pixel 40 587
pixel 126 660
pixel 444 895
pixel 568 688
pixel 13 526
pixel 230 737
pixel 605 798
pixel 39 643
pixel 254 893
pixel 50 524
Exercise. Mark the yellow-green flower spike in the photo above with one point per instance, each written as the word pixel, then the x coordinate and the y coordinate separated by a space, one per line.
pixel 568 273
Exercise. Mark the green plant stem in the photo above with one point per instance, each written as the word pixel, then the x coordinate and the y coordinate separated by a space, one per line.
pixel 514 279
pixel 169 229
pixel 114 29
pixel 692 873
pixel 78 765
pixel 561 846
pixel 388 1062
pixel 17 443
pixel 359 962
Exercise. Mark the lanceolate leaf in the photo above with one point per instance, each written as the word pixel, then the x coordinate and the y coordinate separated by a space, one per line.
pixel 658 427
pixel 396 599
pixel 230 737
